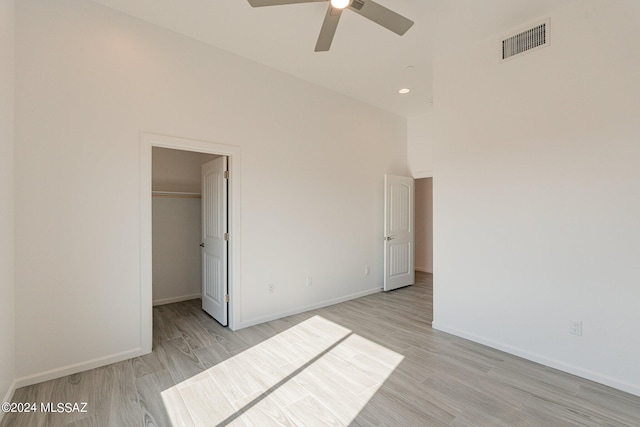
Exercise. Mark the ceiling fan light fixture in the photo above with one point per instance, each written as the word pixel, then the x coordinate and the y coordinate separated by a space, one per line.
pixel 369 9
pixel 340 4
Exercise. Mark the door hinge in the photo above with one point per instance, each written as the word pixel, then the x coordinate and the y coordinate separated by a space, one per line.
pixel 226 298
pixel 226 236
pixel 226 174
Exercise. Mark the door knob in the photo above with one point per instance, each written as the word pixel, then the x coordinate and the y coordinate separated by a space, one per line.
pixel 389 238
pixel 202 245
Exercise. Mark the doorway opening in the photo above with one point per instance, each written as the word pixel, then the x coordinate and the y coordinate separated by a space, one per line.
pixel 173 190
pixel 176 224
pixel 424 235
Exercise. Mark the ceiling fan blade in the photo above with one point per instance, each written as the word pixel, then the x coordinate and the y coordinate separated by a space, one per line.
pixel 382 16
pixel 328 29
pixel 262 3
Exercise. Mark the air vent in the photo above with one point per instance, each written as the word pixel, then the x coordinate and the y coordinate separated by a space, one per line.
pixel 525 41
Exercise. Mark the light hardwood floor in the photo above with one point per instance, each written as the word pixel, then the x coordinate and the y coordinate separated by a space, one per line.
pixel 371 361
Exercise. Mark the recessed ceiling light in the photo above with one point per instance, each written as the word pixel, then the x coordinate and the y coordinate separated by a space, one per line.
pixel 404 90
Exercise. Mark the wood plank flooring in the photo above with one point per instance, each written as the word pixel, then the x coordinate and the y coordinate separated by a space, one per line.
pixel 374 361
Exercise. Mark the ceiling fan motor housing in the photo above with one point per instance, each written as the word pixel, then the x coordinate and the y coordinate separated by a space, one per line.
pixel 357 4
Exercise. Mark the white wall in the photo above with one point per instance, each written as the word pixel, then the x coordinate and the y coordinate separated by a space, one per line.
pixel 177 264
pixel 420 145
pixel 177 257
pixel 89 80
pixel 424 224
pixel 536 197
pixel 7 298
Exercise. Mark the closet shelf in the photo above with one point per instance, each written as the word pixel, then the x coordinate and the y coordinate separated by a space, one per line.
pixel 176 194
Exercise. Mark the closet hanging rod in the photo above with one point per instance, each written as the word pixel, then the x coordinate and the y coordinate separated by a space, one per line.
pixel 176 194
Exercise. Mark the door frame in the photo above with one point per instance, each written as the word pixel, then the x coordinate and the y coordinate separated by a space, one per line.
pixel 147 142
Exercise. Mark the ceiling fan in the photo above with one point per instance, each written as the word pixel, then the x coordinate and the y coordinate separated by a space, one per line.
pixel 367 8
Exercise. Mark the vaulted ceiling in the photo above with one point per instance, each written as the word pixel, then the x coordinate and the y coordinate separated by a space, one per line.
pixel 366 61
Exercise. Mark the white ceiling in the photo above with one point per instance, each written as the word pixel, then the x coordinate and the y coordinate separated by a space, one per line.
pixel 366 61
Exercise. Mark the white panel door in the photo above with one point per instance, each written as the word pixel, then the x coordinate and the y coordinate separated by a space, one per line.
pixel 214 239
pixel 398 232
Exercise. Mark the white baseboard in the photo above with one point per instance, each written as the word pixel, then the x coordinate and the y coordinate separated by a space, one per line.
pixel 175 299
pixel 422 270
pixel 326 303
pixel 546 361
pixel 8 396
pixel 78 367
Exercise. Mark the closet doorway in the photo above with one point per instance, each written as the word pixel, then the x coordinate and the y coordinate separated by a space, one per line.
pixel 172 230
pixel 177 224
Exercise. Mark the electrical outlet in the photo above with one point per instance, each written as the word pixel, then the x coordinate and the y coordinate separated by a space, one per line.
pixel 367 270
pixel 271 288
pixel 575 327
pixel 309 281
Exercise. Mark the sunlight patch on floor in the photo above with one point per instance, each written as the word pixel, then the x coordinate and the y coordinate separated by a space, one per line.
pixel 315 373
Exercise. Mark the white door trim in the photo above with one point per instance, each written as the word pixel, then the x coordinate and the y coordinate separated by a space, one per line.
pixel 147 142
pixel 422 174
